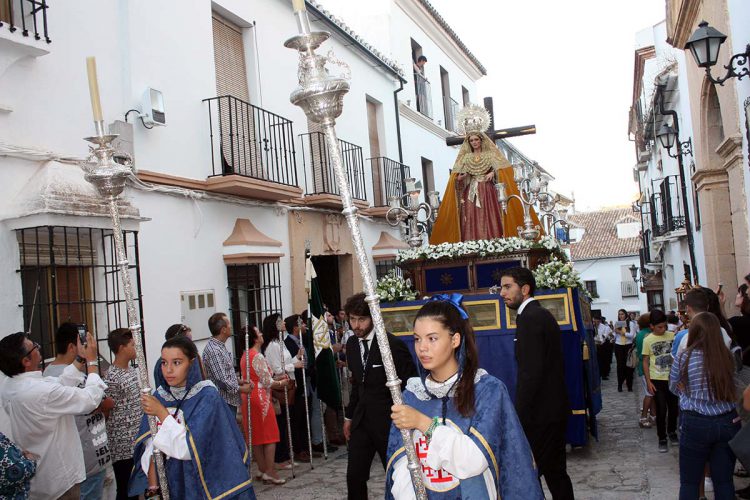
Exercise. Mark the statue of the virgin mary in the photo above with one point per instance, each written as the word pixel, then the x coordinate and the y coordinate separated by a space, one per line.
pixel 470 209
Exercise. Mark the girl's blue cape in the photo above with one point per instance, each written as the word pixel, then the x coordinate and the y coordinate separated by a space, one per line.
pixel 494 428
pixel 218 465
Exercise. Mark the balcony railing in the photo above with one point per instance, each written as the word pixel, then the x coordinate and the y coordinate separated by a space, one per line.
pixel 629 289
pixel 667 212
pixel 387 179
pixel 28 15
pixel 320 177
pixel 424 94
pixel 450 108
pixel 250 141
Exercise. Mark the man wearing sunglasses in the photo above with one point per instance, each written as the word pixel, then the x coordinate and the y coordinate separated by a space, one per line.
pixel 42 410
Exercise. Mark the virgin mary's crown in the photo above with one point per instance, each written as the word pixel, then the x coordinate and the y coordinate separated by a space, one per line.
pixel 472 118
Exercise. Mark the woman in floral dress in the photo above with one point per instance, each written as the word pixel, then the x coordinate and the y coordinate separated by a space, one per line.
pixel 265 431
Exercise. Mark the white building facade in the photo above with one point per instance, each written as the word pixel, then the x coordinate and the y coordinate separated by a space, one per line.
pixel 668 202
pixel 603 248
pixel 232 190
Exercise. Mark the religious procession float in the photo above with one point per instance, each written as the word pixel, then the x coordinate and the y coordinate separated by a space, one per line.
pixel 478 234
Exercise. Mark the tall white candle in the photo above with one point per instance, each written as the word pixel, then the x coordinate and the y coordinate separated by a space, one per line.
pixel 96 105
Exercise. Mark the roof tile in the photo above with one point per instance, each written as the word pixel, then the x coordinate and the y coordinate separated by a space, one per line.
pixel 600 236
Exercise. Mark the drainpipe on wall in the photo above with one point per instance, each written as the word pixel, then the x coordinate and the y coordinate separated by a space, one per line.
pixel 398 134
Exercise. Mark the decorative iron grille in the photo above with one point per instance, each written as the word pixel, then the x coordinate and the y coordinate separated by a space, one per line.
pixel 316 159
pixel 254 293
pixel 250 141
pixel 70 274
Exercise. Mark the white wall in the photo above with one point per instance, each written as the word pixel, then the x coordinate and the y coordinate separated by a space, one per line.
pixel 676 250
pixel 608 275
pixel 142 44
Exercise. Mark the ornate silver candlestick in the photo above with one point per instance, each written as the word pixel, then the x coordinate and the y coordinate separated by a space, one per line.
pixel 408 211
pixel 532 189
pixel 109 177
pixel 320 95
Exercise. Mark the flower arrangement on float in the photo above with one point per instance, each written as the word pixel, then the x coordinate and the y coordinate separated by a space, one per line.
pixel 394 288
pixel 481 248
pixel 559 274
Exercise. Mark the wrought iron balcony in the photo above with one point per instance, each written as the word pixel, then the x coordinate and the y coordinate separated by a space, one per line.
pixel 320 178
pixel 254 144
pixel 424 94
pixel 387 179
pixel 30 16
pixel 450 108
pixel 667 214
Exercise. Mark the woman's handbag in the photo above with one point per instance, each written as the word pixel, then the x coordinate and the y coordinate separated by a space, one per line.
pixel 291 390
pixel 632 360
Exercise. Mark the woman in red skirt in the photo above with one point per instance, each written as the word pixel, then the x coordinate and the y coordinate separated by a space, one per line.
pixel 265 430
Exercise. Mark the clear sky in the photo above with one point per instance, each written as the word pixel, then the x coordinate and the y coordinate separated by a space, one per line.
pixel 566 67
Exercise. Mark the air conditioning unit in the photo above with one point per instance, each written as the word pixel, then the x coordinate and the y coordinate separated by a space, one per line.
pixel 153 108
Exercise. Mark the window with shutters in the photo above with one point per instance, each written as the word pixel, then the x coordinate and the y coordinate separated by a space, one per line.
pixel 245 140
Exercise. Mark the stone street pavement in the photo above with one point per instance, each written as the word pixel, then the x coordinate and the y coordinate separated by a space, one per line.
pixel 623 464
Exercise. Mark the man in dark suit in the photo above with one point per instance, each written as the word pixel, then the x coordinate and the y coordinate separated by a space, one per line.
pixel 293 342
pixel 541 394
pixel 368 419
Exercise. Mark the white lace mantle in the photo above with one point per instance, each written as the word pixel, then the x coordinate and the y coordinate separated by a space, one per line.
pixel 416 387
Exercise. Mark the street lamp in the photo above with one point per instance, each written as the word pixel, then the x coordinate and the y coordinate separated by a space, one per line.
pixel 705 44
pixel 668 136
pixel 633 272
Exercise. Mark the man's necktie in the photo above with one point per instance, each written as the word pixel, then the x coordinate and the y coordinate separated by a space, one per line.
pixel 365 352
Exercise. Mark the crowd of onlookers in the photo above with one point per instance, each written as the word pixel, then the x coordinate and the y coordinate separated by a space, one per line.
pixel 75 427
pixel 694 370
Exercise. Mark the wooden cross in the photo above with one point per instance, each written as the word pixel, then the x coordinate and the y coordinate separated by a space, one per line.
pixel 493 134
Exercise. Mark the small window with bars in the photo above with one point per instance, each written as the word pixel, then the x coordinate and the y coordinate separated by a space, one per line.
pixel 254 293
pixel 383 267
pixel 70 274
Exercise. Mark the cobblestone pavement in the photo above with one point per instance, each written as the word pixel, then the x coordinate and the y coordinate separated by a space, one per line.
pixel 623 464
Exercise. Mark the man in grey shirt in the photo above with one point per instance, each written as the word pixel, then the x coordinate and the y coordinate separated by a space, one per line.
pixel 218 363
pixel 91 428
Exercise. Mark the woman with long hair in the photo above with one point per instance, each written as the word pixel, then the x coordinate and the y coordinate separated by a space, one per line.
pixel 265 428
pixel 702 376
pixel 282 366
pixel 625 331
pixel 205 455
pixel 469 440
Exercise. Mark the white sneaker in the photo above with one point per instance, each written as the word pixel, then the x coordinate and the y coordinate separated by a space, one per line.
pixel 708 484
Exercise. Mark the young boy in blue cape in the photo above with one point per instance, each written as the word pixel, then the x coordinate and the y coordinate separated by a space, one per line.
pixel 467 436
pixel 205 454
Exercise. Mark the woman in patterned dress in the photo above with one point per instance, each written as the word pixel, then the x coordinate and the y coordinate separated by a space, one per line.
pixel 265 429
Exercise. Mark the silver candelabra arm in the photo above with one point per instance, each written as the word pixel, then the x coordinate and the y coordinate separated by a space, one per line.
pixel 529 231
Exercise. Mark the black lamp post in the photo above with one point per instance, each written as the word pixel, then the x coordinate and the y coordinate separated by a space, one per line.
pixel 668 136
pixel 705 44
pixel 634 272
